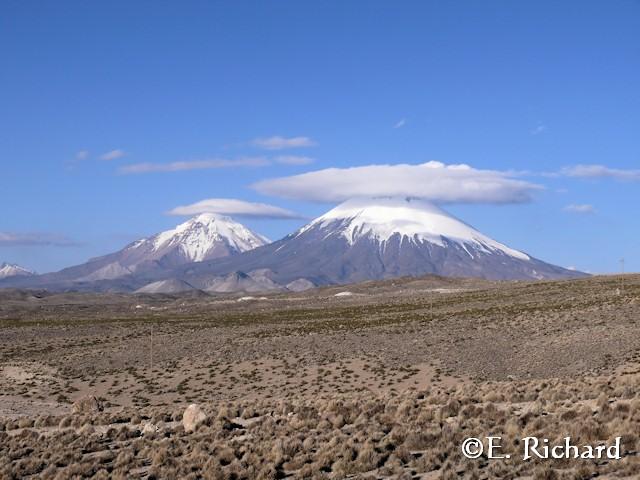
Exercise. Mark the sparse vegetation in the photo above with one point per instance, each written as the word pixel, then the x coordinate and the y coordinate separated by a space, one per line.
pixel 380 384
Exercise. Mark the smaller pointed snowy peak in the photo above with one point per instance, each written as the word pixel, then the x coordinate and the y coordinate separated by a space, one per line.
pixel 11 270
pixel 201 235
pixel 207 236
pixel 416 220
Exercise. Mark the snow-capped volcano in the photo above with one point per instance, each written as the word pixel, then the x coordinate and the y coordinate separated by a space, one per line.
pixel 371 239
pixel 359 240
pixel 412 220
pixel 11 270
pixel 203 237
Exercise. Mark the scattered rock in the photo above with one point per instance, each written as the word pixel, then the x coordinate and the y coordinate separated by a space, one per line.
pixel 87 404
pixel 192 417
pixel 150 428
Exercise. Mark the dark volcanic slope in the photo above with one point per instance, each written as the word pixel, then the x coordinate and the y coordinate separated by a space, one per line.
pixel 360 240
pixel 203 237
pixel 324 257
pixel 372 239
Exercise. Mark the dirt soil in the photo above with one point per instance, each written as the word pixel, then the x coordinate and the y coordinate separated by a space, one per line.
pixel 375 380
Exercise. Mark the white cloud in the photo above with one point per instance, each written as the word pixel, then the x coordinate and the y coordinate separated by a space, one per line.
pixel 193 165
pixel 294 160
pixel 401 123
pixel 33 239
pixel 281 143
pixel 234 207
pixel 113 155
pixel 432 181
pixel 539 129
pixel 582 209
pixel 82 155
pixel 600 171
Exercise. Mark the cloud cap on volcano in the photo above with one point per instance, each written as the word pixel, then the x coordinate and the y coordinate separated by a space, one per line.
pixel 433 181
pixel 233 207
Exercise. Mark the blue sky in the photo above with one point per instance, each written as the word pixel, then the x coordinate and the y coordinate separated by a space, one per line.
pixel 528 90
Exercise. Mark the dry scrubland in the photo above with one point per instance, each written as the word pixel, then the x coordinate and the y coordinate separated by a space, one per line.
pixel 383 383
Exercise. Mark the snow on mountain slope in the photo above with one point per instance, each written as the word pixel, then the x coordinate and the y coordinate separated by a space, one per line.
pixel 205 237
pixel 197 237
pixel 360 240
pixel 11 270
pixel 372 239
pixel 416 220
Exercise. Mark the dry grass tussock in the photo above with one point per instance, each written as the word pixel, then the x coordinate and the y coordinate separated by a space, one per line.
pixel 416 434
pixel 383 384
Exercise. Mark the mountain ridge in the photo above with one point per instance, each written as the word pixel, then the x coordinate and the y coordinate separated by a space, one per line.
pixel 8 270
pixel 205 236
pixel 359 240
pixel 354 242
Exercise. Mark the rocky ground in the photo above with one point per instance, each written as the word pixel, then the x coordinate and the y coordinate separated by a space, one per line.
pixel 376 380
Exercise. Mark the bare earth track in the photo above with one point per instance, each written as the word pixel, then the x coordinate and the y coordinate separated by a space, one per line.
pixel 382 381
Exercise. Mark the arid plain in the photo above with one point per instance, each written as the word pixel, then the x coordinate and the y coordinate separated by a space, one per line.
pixel 375 380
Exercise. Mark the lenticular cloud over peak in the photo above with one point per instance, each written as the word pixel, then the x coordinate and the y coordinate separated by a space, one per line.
pixel 233 207
pixel 433 181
